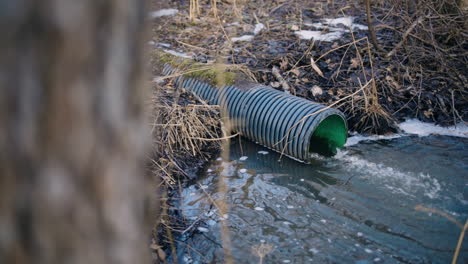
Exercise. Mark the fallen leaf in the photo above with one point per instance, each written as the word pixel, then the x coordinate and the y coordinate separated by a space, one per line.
pixel 315 67
pixel 296 72
pixel 428 113
pixel 316 90
pixel 284 64
pixel 294 27
pixel 275 84
pixel 354 63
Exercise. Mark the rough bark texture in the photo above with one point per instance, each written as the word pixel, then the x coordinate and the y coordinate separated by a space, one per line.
pixel 72 132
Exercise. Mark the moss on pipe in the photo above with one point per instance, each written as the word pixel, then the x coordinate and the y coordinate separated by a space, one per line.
pixel 214 74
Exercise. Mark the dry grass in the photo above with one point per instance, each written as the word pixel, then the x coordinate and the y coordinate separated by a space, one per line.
pixel 186 128
pixel 194 11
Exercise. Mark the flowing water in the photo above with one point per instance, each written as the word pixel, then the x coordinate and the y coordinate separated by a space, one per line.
pixel 384 201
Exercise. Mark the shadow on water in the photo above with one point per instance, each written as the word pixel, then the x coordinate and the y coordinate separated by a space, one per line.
pixel 357 207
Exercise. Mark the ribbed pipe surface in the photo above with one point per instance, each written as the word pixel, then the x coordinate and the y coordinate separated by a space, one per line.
pixel 288 124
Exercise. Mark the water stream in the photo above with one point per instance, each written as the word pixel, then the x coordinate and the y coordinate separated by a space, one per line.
pixel 374 202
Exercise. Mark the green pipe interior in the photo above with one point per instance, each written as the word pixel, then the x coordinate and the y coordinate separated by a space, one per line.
pixel 329 136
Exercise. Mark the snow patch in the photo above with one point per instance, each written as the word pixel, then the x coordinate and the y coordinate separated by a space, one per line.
pixel 165 45
pixel 243 38
pixel 318 35
pixel 263 152
pixel 163 12
pixel 243 158
pixel 177 54
pixel 258 28
pixel 332 24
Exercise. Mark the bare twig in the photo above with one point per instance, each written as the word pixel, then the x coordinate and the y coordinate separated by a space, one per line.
pixel 371 27
pixel 460 242
pixel 405 36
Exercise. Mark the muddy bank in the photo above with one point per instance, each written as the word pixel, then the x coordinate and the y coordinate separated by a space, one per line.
pixel 324 53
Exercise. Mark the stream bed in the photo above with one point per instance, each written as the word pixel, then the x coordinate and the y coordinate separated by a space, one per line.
pixel 381 201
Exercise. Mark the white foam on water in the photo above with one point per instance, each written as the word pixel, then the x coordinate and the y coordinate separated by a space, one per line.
pixel 243 158
pixel 396 181
pixel 242 38
pixel 163 12
pixel 243 170
pixel 178 54
pixel 263 152
pixel 414 126
pixel 357 138
pixel 314 250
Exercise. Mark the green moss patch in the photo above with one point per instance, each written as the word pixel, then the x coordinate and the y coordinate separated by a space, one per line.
pixel 216 75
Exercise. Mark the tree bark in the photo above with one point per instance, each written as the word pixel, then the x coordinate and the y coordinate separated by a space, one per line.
pixel 72 132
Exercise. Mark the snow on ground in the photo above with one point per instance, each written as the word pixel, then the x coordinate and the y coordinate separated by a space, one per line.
pixel 318 35
pixel 163 12
pixel 332 24
pixel 243 38
pixel 178 54
pixel 258 28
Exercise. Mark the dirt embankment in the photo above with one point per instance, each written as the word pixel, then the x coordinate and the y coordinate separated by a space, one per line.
pixel 415 68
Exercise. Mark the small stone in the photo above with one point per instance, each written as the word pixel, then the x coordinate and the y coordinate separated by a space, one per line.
pixel 243 170
pixel 294 28
pixel 259 208
pixel 203 229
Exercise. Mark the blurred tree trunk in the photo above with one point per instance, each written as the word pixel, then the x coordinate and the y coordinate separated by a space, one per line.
pixel 72 132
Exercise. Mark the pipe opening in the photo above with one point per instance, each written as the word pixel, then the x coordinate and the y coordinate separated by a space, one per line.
pixel 329 136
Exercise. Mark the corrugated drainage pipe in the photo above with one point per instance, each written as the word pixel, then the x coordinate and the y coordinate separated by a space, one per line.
pixel 288 124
